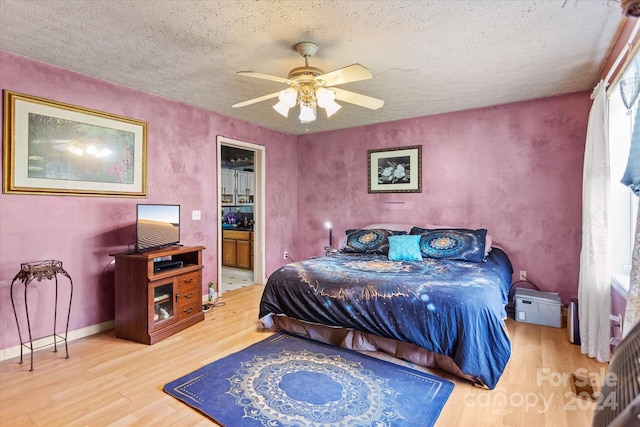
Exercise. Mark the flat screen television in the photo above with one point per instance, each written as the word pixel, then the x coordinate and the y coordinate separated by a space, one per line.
pixel 157 226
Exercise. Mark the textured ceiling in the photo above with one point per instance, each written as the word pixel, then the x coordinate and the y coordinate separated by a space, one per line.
pixel 427 57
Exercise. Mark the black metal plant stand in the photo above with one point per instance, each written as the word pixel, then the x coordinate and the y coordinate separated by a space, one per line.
pixel 41 270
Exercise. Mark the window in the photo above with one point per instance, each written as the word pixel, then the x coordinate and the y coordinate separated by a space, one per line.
pixel 623 202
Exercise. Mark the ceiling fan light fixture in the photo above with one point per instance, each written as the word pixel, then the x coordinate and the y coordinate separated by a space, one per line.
pixel 288 97
pixel 282 109
pixel 307 113
pixel 310 87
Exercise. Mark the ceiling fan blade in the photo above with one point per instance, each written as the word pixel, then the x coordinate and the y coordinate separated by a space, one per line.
pixel 264 76
pixel 351 73
pixel 255 100
pixel 358 99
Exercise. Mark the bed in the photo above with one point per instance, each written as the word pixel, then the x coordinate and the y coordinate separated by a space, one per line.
pixel 434 309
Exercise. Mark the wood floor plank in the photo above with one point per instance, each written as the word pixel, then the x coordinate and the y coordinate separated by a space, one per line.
pixel 109 381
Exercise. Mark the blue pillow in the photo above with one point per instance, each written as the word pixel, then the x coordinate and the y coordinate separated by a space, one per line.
pixel 457 244
pixel 404 248
pixel 369 241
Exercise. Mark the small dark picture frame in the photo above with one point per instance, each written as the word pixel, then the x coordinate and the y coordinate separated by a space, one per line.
pixel 395 170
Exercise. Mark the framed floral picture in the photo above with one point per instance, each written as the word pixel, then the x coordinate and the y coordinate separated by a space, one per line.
pixel 56 148
pixel 395 170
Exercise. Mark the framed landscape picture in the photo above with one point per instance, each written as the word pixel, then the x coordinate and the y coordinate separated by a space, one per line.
pixel 56 148
pixel 395 170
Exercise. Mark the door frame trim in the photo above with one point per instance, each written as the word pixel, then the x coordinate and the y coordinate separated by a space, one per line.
pixel 259 215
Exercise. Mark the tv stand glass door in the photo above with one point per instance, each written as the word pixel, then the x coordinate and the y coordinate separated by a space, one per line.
pixel 163 305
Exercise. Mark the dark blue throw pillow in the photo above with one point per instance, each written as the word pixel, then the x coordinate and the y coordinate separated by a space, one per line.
pixel 369 241
pixel 457 244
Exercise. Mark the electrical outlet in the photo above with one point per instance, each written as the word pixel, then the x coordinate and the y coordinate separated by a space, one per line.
pixel 285 254
pixel 523 274
pixel 195 215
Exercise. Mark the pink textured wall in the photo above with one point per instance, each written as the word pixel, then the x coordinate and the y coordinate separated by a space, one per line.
pixel 513 169
pixel 82 231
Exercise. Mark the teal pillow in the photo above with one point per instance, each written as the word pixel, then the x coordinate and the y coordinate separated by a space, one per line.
pixel 404 248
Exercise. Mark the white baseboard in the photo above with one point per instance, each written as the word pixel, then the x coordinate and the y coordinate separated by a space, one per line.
pixel 12 352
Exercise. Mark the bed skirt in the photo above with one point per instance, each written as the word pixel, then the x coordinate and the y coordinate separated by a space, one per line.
pixel 364 341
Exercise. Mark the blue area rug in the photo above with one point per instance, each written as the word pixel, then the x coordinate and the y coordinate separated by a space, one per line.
pixel 291 381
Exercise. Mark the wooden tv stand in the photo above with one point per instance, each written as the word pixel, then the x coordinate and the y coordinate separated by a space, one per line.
pixel 153 305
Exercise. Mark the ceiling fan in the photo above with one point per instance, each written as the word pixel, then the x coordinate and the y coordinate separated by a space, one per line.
pixel 311 87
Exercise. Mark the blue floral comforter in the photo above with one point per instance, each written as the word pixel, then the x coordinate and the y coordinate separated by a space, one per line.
pixel 454 308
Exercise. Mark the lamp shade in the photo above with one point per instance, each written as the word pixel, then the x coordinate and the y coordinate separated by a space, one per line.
pixel 281 108
pixel 325 97
pixel 307 113
pixel 288 97
pixel 328 225
pixel 332 108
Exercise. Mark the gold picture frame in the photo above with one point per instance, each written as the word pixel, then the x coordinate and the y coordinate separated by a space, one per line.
pixel 395 170
pixel 54 148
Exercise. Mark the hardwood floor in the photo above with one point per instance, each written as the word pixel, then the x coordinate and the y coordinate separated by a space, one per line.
pixel 108 381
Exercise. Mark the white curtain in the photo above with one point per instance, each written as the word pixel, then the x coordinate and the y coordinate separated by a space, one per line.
pixel 632 309
pixel 594 286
